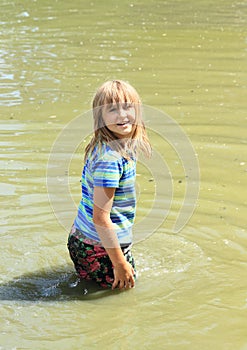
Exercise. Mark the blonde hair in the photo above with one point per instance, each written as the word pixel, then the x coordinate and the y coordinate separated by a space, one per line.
pixel 115 92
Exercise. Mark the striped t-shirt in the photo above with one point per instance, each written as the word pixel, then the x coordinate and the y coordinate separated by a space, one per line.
pixel 107 168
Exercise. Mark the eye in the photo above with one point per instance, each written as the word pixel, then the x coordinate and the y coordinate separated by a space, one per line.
pixel 128 105
pixel 112 109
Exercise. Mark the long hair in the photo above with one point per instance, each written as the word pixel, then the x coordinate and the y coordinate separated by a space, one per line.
pixel 117 92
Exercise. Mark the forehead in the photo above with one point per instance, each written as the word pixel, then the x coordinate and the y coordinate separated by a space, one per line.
pixel 116 96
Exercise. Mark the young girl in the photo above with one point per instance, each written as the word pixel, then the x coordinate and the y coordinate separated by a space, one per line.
pixel 100 240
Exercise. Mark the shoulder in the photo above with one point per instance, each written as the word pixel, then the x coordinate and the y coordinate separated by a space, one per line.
pixel 105 154
pixel 104 161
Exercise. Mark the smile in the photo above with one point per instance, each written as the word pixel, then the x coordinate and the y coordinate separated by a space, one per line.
pixel 125 123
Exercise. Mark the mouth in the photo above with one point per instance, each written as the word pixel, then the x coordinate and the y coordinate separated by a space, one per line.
pixel 124 123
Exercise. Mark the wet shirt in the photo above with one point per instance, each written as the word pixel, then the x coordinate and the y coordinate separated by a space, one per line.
pixel 107 168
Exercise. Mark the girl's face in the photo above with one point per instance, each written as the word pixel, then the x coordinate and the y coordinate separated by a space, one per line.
pixel 119 118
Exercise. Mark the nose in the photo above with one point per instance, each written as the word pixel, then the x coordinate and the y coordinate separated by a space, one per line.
pixel 122 112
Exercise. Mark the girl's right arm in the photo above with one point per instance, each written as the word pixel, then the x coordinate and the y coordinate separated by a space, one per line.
pixel 123 271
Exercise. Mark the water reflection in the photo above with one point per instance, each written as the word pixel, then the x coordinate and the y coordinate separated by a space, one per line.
pixel 10 95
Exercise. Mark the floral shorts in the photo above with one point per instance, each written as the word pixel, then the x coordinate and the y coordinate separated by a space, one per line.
pixel 92 261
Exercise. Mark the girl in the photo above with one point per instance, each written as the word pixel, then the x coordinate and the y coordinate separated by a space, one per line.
pixel 100 240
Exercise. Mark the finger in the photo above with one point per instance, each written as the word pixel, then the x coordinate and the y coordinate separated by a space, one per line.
pixel 131 282
pixel 121 284
pixel 114 284
pixel 132 277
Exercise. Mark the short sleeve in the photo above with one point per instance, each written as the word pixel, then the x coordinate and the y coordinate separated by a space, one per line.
pixel 108 170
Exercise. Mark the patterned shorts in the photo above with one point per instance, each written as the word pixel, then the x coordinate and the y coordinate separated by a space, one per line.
pixel 92 261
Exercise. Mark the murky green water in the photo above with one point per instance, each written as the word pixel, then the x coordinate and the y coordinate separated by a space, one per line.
pixel 187 59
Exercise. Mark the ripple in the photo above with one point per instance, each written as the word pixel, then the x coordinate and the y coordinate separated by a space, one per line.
pixel 7 189
pixel 168 254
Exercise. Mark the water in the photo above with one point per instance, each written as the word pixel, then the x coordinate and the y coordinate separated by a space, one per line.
pixel 187 59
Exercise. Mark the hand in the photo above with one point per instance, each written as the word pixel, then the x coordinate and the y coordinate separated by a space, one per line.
pixel 123 276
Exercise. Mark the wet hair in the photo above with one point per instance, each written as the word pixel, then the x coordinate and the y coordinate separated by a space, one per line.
pixel 118 92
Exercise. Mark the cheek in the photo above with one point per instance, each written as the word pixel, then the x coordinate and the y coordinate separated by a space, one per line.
pixel 108 119
pixel 132 115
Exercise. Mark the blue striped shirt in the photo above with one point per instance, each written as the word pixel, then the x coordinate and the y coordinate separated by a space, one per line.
pixel 107 168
